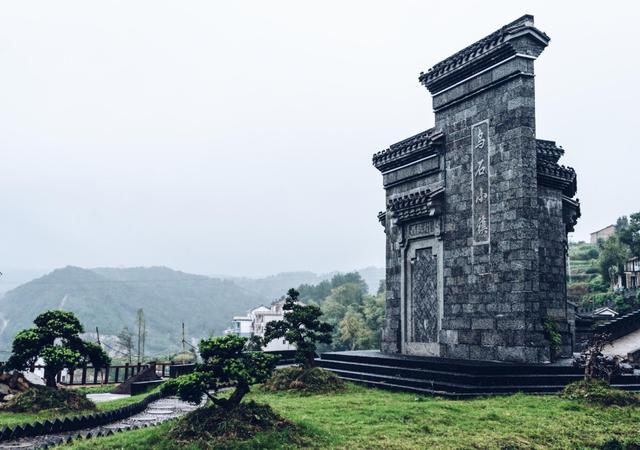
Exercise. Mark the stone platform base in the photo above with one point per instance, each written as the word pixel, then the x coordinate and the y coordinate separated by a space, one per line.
pixel 455 378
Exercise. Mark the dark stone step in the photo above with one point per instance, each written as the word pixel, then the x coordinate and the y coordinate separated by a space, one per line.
pixel 441 387
pixel 460 378
pixel 441 376
pixel 450 365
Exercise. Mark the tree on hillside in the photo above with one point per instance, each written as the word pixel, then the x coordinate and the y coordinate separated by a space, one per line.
pixel 373 309
pixel 349 304
pixel 629 235
pixel 341 298
pixel 613 256
pixel 301 327
pixel 55 339
pixel 125 338
pixel 353 331
pixel 318 293
pixel 224 362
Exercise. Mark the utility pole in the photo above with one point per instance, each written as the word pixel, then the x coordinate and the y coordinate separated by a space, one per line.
pixel 100 345
pixel 183 349
pixel 140 320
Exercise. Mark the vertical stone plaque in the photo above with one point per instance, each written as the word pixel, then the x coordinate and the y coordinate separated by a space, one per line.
pixel 480 182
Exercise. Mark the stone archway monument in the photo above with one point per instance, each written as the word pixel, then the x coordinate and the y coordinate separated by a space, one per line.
pixel 477 214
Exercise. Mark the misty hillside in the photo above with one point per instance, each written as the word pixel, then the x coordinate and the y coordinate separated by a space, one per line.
pixel 109 298
pixel 275 286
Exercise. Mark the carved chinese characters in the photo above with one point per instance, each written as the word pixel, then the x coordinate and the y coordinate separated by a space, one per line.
pixel 480 182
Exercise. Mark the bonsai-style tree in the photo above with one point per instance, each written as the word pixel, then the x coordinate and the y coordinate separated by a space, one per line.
pixel 301 327
pixel 224 363
pixel 56 341
pixel 596 364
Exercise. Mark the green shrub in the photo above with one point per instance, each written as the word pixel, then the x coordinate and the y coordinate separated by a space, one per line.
pixel 553 336
pixel 40 398
pixel 597 284
pixel 603 299
pixel 213 426
pixel 591 270
pixel 309 381
pixel 577 289
pixel 584 252
pixel 599 392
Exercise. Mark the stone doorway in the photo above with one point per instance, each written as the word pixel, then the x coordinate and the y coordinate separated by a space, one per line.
pixel 422 303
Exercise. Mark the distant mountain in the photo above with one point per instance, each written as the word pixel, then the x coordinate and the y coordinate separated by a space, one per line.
pixel 12 278
pixel 275 286
pixel 109 299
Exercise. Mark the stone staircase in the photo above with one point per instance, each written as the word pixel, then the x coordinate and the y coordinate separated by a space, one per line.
pixel 455 378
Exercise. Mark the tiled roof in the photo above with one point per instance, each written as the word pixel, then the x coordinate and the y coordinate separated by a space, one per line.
pixel 407 150
pixel 548 150
pixel 415 204
pixel 382 217
pixel 554 175
pixel 570 213
pixel 493 44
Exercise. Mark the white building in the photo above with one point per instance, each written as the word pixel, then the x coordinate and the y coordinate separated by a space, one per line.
pixel 255 322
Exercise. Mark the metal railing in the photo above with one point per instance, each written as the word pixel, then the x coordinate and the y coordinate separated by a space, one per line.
pixel 88 375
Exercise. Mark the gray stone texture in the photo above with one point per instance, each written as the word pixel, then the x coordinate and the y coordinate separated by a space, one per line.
pixel 496 297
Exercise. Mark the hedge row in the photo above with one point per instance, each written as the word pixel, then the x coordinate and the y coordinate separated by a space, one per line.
pixel 61 425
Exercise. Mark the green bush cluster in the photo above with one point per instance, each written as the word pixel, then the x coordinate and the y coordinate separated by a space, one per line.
pixel 584 252
pixel 40 398
pixel 553 336
pixel 599 392
pixel 213 426
pixel 597 284
pixel 310 381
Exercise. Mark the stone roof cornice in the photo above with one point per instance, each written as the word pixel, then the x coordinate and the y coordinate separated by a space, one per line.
pixel 570 213
pixel 485 53
pixel 424 203
pixel 548 150
pixel 408 150
pixel 554 175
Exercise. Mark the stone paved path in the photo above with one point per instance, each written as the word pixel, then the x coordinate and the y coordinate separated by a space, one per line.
pixel 156 413
pixel 106 397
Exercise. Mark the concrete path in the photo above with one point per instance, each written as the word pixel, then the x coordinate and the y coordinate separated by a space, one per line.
pixel 106 397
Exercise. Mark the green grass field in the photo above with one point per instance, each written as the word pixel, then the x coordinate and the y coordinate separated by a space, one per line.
pixel 363 418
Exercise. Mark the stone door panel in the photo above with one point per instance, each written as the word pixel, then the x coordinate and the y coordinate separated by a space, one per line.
pixel 424 296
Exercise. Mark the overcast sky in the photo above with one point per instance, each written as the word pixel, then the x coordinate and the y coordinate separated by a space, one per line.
pixel 236 137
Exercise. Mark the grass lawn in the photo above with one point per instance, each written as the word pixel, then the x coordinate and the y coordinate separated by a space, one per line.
pixel 12 418
pixel 371 418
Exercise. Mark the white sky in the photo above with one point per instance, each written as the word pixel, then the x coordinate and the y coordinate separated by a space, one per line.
pixel 236 137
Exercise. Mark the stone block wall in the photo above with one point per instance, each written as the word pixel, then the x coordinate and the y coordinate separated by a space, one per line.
pixel 498 228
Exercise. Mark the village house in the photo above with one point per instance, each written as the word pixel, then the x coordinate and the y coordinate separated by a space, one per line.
pixel 255 322
pixel 604 234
